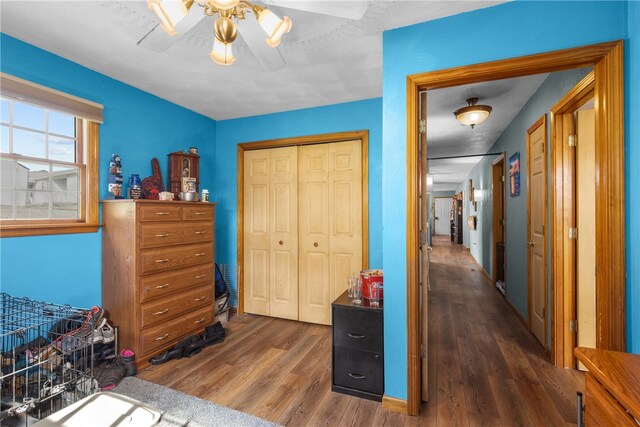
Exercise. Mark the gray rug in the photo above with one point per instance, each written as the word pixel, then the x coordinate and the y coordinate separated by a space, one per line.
pixel 180 409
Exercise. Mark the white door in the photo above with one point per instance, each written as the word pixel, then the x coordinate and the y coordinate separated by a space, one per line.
pixel 443 215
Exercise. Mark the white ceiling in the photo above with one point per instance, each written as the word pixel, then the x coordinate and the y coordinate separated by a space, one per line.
pixel 329 60
pixel 446 137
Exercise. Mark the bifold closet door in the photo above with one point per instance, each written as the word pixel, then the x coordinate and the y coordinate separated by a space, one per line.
pixel 330 224
pixel 271 232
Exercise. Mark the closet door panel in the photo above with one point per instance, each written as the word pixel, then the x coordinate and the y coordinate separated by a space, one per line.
pixel 313 237
pixel 256 231
pixel 283 244
pixel 345 219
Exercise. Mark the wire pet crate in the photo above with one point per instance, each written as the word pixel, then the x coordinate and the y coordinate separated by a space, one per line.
pixel 46 356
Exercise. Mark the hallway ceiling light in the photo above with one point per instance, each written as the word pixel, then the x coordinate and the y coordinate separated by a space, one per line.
pixel 170 12
pixel 473 114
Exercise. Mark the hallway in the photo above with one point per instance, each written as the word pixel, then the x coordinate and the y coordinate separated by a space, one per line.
pixel 485 368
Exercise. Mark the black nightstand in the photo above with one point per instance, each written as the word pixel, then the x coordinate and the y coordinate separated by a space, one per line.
pixel 357 356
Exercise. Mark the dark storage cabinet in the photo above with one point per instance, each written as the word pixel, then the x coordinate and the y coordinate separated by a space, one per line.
pixel 358 362
pixel 456 222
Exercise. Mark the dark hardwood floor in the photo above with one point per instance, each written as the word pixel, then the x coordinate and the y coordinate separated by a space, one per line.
pixel 485 368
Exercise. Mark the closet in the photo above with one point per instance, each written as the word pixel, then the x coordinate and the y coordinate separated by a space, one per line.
pixel 302 228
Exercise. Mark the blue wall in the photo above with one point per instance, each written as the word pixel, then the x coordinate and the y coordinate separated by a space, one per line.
pixel 505 31
pixel 360 115
pixel 138 126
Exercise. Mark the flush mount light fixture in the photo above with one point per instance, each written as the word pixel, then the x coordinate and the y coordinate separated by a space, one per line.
pixel 472 114
pixel 228 12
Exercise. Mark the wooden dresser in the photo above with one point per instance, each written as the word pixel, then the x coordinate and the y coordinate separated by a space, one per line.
pixel 358 362
pixel 157 272
pixel 612 387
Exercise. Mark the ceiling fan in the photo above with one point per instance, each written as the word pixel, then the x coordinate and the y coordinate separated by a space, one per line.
pixel 177 17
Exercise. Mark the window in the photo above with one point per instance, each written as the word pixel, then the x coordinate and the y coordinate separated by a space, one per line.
pixel 48 163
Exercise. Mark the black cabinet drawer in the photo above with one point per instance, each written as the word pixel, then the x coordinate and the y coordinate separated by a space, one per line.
pixel 360 370
pixel 357 329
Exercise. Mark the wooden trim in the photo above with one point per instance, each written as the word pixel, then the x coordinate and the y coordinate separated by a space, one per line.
pixel 48 229
pixel 414 385
pixel 24 90
pixel 607 58
pixel 541 122
pixel 362 135
pixel 92 152
pixel 610 202
pixel 395 405
pixel 240 228
pixel 548 62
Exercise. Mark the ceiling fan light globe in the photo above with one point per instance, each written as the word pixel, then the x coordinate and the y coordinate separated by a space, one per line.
pixel 170 12
pixel 222 53
pixel 273 26
pixel 224 4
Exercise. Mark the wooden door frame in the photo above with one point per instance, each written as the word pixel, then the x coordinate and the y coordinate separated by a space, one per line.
pixel 610 302
pixel 541 122
pixel 607 60
pixel 498 164
pixel 362 135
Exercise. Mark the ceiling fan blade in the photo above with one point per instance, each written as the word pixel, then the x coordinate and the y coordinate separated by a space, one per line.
pixel 270 58
pixel 157 39
pixel 352 9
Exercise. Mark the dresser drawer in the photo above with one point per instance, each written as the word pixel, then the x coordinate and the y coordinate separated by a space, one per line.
pixel 199 211
pixel 159 311
pixel 160 212
pixel 357 329
pixel 169 332
pixel 163 234
pixel 360 370
pixel 161 284
pixel 156 260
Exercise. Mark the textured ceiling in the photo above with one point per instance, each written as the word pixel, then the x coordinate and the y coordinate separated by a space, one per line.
pixel 329 60
pixel 446 137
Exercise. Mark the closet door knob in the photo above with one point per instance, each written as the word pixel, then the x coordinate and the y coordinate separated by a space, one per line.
pixel 315 244
pixel 280 242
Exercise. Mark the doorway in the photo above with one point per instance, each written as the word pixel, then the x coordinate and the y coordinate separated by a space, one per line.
pixel 607 59
pixel 498 246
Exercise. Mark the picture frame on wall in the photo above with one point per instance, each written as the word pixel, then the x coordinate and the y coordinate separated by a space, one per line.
pixel 514 174
pixel 471 191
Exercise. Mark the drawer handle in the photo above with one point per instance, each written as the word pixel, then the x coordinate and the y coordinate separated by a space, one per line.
pixel 200 232
pixel 200 299
pixel 201 213
pixel 158 313
pixel 199 321
pixel 166 285
pixel 162 235
pixel 200 254
pixel 162 337
pixel 162 213
pixel 356 376
pixel 315 244
pixel 160 261
pixel 200 276
pixel 356 336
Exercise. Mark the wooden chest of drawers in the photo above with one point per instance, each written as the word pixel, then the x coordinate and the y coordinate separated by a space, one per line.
pixel 358 363
pixel 157 272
